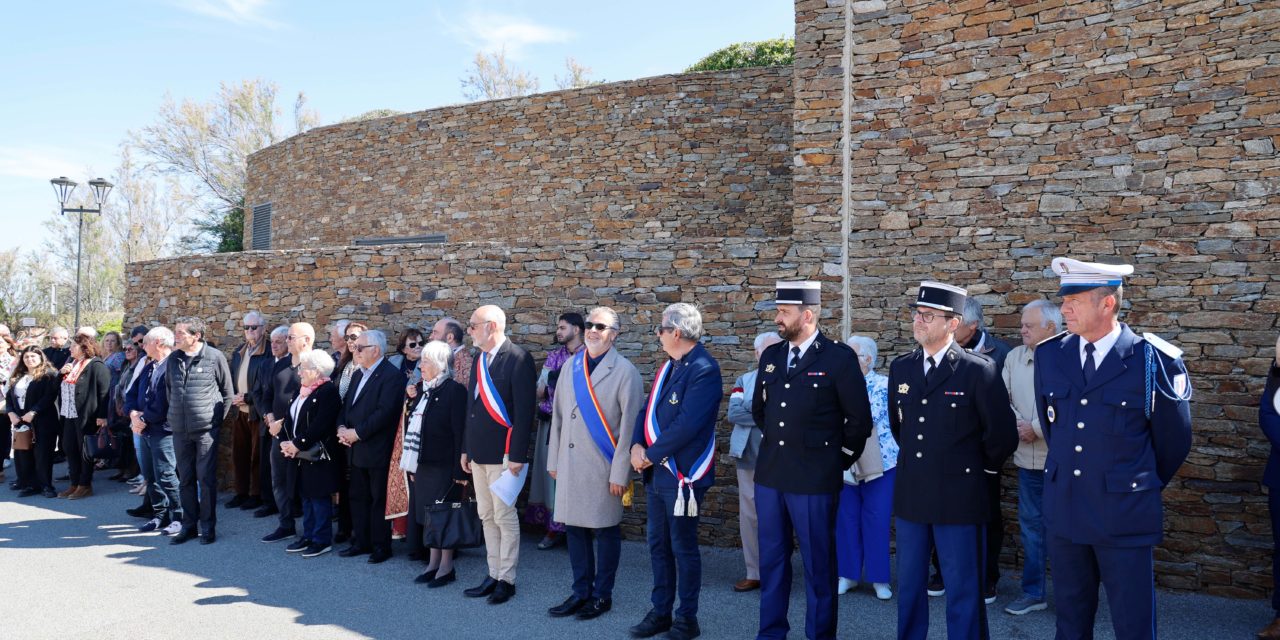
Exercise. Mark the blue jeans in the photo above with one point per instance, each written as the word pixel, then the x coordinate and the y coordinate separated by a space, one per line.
pixel 317 516
pixel 1031 523
pixel 159 466
pixel 673 552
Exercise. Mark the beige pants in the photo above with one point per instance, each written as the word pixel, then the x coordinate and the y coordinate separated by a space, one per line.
pixel 748 526
pixel 501 524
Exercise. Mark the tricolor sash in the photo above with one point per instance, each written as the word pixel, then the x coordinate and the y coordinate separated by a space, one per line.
pixel 488 394
pixel 700 467
pixel 584 393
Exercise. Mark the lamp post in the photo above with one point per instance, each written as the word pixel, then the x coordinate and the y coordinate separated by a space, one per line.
pixel 63 188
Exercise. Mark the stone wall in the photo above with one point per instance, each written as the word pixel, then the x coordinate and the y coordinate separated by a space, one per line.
pixel 693 155
pixel 987 137
pixel 395 287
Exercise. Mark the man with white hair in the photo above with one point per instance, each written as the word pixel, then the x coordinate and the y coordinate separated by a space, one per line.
pixel 1040 321
pixel 57 352
pixel 262 399
pixel 246 416
pixel 744 446
pixel 499 426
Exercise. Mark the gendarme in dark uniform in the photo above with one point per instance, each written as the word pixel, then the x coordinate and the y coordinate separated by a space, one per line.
pixel 1114 409
pixel 810 401
pixel 951 426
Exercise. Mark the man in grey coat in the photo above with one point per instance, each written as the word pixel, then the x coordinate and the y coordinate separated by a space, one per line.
pixel 199 386
pixel 744 446
pixel 598 396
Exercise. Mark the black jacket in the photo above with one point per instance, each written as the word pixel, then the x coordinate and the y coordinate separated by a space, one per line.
pixel 443 425
pixel 57 357
pixel 92 391
pixel 317 422
pixel 41 395
pixel 261 387
pixel 199 390
pixel 516 381
pixel 375 414
pixel 281 388
pixel 950 431
pixel 262 353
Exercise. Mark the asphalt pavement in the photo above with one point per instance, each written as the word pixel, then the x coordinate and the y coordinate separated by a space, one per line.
pixel 79 569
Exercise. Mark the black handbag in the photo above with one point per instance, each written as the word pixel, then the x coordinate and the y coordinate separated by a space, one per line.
pixel 448 524
pixel 316 453
pixel 102 445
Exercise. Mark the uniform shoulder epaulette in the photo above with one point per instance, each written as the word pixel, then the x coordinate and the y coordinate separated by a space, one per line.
pixel 836 343
pixel 1054 338
pixel 906 355
pixel 1163 345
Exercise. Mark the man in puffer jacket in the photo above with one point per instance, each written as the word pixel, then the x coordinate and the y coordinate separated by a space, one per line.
pixel 199 388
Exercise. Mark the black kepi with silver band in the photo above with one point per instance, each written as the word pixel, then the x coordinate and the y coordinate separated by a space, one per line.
pixel 805 292
pixel 943 297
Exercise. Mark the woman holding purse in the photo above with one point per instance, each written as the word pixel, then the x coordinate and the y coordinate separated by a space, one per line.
pixel 82 406
pixel 431 451
pixel 29 401
pixel 312 429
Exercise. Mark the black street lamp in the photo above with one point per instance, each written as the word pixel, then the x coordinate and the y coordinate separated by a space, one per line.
pixel 63 188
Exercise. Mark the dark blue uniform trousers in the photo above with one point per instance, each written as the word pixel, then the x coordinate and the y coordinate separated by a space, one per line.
pixel 1126 572
pixel 673 552
pixel 813 520
pixel 593 555
pixel 1273 504
pixel 961 551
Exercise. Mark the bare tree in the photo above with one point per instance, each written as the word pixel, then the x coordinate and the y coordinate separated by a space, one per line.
pixel 492 78
pixel 576 76
pixel 147 216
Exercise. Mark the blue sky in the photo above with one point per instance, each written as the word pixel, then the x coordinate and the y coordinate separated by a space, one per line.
pixel 76 78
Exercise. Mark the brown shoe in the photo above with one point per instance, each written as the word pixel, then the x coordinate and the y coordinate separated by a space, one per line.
pixel 83 492
pixel 1271 631
pixel 68 491
pixel 746 584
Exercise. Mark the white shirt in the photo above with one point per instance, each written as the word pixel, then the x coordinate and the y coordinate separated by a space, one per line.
pixel 803 346
pixel 937 359
pixel 496 345
pixel 365 378
pixel 1100 348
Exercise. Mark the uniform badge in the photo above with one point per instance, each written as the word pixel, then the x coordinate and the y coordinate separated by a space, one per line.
pixel 769 369
pixel 1051 414
pixel 674 399
pixel 1180 384
pixel 904 388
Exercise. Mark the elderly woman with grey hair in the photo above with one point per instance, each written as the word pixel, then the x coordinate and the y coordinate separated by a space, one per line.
pixel 433 431
pixel 312 428
pixel 866 502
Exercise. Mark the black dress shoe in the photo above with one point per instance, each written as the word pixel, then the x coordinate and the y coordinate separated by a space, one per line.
pixel 567 608
pixel 441 581
pixel 141 511
pixel 379 556
pixel 342 537
pixel 684 629
pixel 425 577
pixel 251 503
pixel 265 511
pixel 352 551
pixel 595 608
pixel 183 536
pixel 652 625
pixel 49 493
pixel 502 592
pixel 209 538
pixel 483 589
pixel 29 491
pixel 237 501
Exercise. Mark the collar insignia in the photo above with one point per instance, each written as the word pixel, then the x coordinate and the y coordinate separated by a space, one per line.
pixel 769 369
pixel 904 388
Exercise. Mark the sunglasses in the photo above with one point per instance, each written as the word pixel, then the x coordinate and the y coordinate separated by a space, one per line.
pixel 598 326
pixel 661 329
pixel 412 345
pixel 361 347
pixel 351 337
pixel 252 327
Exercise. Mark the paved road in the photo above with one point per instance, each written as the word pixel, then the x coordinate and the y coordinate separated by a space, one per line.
pixel 79 570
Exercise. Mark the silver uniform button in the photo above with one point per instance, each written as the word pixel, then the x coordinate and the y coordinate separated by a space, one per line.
pixel 919 436
pixel 966 469
pixel 782 424
pixel 1134 485
pixel 815 385
pixel 784 404
pixel 1084 401
pixel 953 405
pixel 1079 425
pixel 921 418
pixel 786 386
pixel 924 401
pixel 1123 403
pixel 919 454
pixel 1076 473
pixel 1079 448
pixel 782 442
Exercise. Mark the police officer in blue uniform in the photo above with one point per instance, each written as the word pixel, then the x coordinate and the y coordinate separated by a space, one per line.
pixel 810 401
pixel 949 411
pixel 1114 408
pixel 1269 421
pixel 674 447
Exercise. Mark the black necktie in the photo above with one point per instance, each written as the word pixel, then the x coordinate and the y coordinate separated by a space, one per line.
pixel 929 370
pixel 795 358
pixel 1089 367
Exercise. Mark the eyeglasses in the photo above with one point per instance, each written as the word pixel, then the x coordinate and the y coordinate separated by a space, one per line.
pixel 252 327
pixel 661 329
pixel 926 316
pixel 351 337
pixel 131 347
pixel 598 326
pixel 361 347
pixel 412 345
pixel 474 325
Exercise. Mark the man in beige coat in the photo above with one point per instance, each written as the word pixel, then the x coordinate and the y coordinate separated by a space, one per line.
pixel 597 398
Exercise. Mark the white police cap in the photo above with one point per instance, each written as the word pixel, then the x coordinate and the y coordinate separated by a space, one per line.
pixel 1076 276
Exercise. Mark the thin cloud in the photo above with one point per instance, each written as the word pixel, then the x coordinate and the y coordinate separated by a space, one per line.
pixel 492 32
pixel 240 12
pixel 35 163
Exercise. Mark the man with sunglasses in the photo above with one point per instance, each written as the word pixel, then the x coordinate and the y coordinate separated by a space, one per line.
pixel 949 411
pixel 246 360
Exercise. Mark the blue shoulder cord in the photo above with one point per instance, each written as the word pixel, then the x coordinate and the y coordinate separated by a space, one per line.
pixel 1151 383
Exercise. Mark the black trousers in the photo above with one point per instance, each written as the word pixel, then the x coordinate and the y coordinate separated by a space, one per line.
pixel 197 456
pixel 343 462
pixel 46 442
pixel 370 526
pixel 79 469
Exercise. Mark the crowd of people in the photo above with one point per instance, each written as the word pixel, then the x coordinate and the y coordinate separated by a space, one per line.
pixel 355 444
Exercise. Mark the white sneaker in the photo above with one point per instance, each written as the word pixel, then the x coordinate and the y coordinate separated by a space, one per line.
pixel 882 590
pixel 846 585
pixel 138 479
pixel 173 528
pixel 138 490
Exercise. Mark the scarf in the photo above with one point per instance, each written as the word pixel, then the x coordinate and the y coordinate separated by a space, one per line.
pixel 67 404
pixel 308 388
pixel 413 432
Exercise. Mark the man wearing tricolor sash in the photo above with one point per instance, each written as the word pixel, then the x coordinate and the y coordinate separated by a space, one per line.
pixel 597 395
pixel 811 404
pixel 674 447
pixel 499 423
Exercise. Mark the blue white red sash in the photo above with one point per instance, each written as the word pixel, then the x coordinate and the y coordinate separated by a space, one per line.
pixel 700 467
pixel 585 394
pixel 488 394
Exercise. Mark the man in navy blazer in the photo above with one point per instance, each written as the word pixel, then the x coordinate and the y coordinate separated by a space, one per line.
pixel 1269 420
pixel 1114 409
pixel 367 424
pixel 677 429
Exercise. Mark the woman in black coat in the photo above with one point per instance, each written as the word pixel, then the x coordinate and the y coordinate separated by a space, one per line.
pixel 82 405
pixel 313 420
pixel 433 450
pixel 32 389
